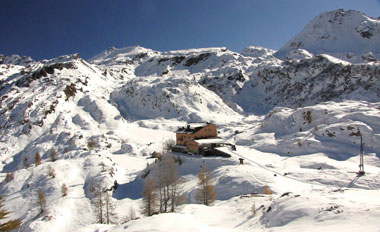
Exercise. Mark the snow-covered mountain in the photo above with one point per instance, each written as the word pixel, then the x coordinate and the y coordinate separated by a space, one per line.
pixel 16 60
pixel 296 121
pixel 348 35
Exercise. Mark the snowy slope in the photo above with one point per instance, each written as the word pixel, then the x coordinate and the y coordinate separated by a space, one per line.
pixel 258 52
pixel 128 55
pixel 325 127
pixel 294 121
pixel 253 81
pixel 197 74
pixel 343 33
pixel 307 82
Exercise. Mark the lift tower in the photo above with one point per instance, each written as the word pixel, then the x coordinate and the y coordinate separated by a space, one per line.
pixel 361 165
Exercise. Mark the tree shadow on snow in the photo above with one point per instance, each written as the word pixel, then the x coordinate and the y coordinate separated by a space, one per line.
pixel 15 164
pixel 130 190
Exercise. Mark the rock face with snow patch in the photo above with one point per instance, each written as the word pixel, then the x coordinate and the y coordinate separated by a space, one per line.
pixel 314 80
pixel 337 32
pixel 258 52
pixel 124 56
pixel 16 60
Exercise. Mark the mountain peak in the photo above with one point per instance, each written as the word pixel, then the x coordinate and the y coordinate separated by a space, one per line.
pixel 124 55
pixel 257 51
pixel 337 32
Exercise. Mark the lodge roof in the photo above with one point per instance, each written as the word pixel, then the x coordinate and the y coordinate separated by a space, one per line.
pixel 192 128
pixel 210 140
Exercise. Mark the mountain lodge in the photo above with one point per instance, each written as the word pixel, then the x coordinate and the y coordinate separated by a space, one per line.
pixel 199 138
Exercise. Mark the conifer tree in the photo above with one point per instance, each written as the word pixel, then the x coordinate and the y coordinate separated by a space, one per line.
pixel 53 154
pixel 51 172
pixel 8 225
pixel 26 162
pixel 205 193
pixel 64 190
pixel 41 201
pixel 9 177
pixel 37 159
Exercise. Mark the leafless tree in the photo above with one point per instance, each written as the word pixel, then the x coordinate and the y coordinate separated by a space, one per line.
pixel 103 165
pixel 168 184
pixel 109 210
pixel 103 205
pixel 132 213
pixel 205 193
pixel 99 203
pixel 149 198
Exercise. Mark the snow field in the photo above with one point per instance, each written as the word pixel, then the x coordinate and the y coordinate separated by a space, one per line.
pixel 127 102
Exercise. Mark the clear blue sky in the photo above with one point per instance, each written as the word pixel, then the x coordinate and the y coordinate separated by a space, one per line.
pixel 50 28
